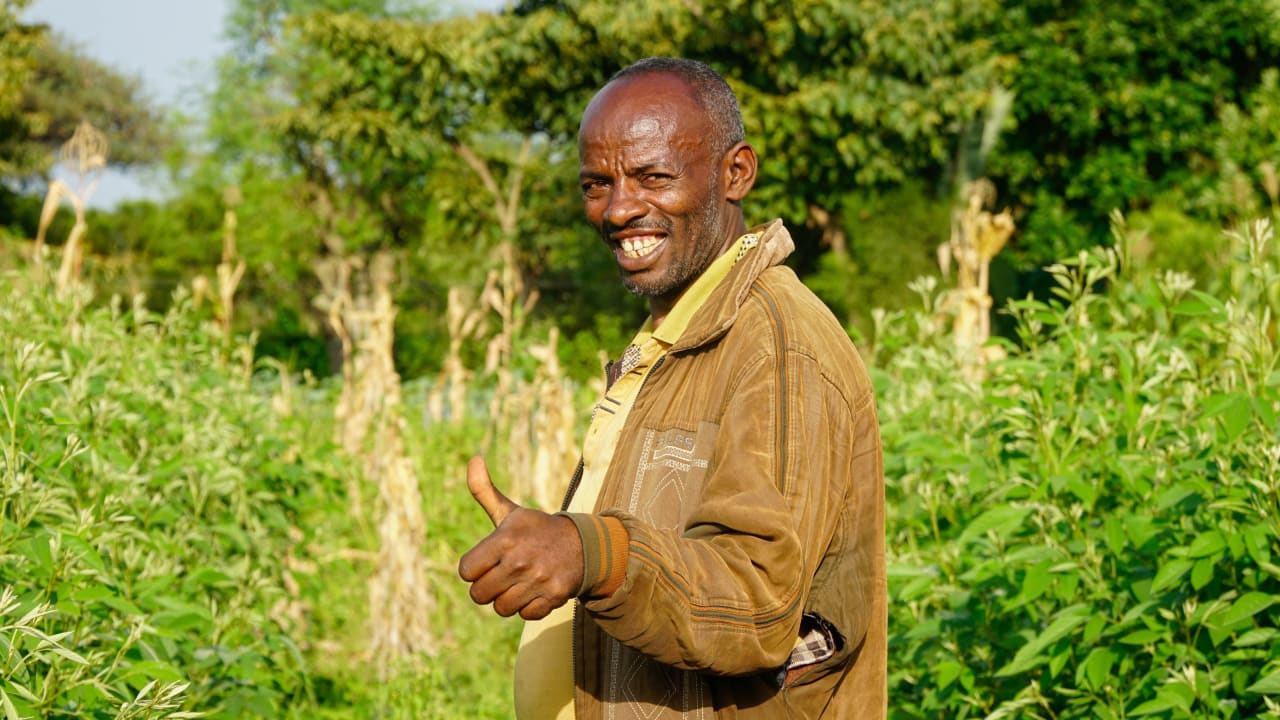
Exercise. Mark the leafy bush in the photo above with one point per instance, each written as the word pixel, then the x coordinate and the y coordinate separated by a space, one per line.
pixel 1091 530
pixel 150 504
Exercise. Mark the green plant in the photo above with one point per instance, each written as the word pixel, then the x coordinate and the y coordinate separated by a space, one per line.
pixel 1090 531
pixel 147 499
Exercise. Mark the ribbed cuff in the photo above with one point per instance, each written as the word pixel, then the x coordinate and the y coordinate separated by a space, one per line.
pixel 604 553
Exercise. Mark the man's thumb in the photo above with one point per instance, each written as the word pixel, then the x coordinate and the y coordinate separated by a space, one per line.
pixel 497 505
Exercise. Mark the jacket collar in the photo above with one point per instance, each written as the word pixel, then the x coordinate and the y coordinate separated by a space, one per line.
pixel 720 311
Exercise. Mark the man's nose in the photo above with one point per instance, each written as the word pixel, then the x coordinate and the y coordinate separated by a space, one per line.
pixel 624 206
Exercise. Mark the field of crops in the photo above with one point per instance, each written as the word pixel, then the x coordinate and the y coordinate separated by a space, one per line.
pixel 1087 528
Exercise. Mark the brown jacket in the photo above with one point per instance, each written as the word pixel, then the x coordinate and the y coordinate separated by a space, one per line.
pixel 747 492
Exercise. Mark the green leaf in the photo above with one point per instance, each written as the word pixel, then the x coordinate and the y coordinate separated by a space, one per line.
pixel 1235 411
pixel 1174 495
pixel 85 551
pixel 1192 308
pixel 1083 490
pixel 1097 666
pixel 947 672
pixel 1202 573
pixel 1114 528
pixel 1257 541
pixel 1206 544
pixel 1269 685
pixel 1170 573
pixel 1141 637
pixel 1245 607
pixel 1093 629
pixel 1037 579
pixel 120 604
pixel 1171 696
pixel 1029 655
pixel 10 712
pixel 1256 636
pixel 1161 703
pixel 1004 518
pixel 1141 529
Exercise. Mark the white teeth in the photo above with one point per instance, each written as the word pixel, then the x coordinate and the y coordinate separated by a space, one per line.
pixel 640 246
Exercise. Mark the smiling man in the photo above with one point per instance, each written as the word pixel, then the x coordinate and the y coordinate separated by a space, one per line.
pixel 721 549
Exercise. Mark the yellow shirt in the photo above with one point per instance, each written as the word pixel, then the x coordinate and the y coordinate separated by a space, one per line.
pixel 544 662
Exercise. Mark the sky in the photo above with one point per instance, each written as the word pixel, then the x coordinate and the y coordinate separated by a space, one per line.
pixel 170 44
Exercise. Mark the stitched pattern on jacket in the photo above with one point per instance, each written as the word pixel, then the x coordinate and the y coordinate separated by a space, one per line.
pixel 641 689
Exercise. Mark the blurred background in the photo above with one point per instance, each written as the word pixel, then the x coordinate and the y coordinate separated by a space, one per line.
pixel 273 269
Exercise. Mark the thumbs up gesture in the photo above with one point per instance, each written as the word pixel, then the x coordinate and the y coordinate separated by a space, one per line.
pixel 532 561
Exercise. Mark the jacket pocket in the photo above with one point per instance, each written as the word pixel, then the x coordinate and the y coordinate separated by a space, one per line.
pixel 670 469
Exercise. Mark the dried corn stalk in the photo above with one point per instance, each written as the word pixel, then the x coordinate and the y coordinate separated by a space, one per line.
pixel 977 237
pixel 85 155
pixel 231 269
pixel 370 426
pixel 465 320
pixel 505 294
pixel 555 447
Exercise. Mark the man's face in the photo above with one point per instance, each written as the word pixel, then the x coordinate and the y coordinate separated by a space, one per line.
pixel 651 183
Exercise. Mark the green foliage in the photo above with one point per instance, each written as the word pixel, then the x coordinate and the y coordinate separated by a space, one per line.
pixel 893 238
pixel 1115 106
pixel 1169 239
pixel 1091 530
pixel 1247 153
pixel 149 501
pixel 176 534
pixel 18 43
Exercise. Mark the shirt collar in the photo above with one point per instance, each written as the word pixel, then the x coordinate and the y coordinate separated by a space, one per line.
pixel 677 320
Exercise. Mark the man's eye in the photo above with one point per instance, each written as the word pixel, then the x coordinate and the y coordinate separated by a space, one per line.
pixel 592 187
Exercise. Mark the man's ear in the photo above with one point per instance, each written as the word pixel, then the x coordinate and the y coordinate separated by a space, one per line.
pixel 740 171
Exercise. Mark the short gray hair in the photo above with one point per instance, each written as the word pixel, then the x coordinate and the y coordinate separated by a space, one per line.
pixel 710 90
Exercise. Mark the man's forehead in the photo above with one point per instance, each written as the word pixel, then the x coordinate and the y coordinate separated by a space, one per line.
pixel 648 104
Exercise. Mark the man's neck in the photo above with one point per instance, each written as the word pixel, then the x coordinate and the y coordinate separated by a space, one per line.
pixel 660 307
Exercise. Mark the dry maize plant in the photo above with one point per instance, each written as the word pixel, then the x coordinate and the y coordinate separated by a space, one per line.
pixel 231 269
pixel 85 155
pixel 370 426
pixel 336 301
pixel 505 294
pixel 977 236
pixel 465 321
pixel 542 445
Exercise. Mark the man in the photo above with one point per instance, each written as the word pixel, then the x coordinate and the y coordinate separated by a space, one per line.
pixel 722 553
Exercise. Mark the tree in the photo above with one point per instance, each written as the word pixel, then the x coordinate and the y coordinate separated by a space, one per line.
pixel 50 87
pixel 17 47
pixel 838 96
pixel 1118 104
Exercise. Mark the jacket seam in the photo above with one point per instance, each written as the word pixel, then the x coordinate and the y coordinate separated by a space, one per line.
pixel 781 370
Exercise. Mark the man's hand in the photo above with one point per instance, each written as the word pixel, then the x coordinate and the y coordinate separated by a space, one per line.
pixel 530 564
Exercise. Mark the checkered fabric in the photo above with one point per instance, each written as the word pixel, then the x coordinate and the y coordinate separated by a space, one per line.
pixel 818 641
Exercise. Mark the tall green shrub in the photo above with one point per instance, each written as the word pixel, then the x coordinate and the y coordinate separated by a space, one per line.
pixel 1091 530
pixel 149 499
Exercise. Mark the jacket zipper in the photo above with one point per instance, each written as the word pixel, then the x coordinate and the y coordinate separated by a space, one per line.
pixel 573 486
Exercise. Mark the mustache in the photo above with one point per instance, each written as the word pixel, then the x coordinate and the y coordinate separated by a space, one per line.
pixel 663 226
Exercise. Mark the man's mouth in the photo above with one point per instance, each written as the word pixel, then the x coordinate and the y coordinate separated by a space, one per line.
pixel 640 245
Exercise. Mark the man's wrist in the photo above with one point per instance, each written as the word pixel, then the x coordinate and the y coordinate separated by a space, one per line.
pixel 604 553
